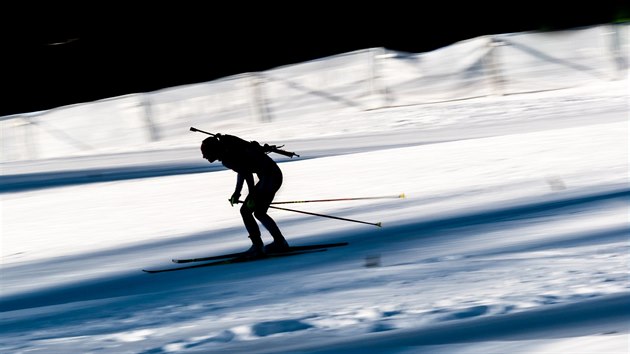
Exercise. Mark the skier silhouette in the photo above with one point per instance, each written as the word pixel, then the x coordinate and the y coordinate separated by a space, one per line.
pixel 246 159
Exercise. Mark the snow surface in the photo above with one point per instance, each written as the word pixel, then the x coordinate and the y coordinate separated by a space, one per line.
pixel 512 238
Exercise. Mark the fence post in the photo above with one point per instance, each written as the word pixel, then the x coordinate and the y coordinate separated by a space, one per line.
pixel 29 141
pixel 378 87
pixel 258 99
pixel 148 118
pixel 494 66
pixel 24 146
pixel 617 52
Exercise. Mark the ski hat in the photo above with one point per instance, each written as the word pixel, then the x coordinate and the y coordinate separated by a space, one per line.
pixel 210 149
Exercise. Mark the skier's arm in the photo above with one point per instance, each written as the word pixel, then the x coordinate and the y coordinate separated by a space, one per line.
pixel 240 178
pixel 239 183
pixel 237 191
pixel 249 178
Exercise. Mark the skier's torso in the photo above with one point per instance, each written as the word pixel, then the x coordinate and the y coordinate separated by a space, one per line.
pixel 244 157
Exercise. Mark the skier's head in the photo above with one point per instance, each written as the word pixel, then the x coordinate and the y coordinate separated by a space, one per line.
pixel 211 149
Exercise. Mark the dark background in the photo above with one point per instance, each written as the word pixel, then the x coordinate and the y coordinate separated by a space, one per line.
pixel 60 55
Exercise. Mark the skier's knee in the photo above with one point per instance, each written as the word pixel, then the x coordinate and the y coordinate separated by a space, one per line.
pixel 245 210
pixel 260 215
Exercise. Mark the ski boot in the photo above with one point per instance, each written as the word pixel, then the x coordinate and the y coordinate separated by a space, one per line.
pixel 257 250
pixel 277 246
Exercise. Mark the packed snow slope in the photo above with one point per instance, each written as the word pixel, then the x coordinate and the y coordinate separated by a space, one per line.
pixel 512 237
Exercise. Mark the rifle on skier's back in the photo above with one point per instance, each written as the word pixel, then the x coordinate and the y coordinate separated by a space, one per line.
pixel 266 148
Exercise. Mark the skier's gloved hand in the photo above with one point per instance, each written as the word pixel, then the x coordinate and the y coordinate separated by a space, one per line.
pixel 234 198
pixel 251 204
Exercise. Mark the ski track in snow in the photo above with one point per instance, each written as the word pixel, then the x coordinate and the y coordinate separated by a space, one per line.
pixel 504 244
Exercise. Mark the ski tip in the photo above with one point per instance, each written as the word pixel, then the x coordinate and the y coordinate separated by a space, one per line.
pixel 402 196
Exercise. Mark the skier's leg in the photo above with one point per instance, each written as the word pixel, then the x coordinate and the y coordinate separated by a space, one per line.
pixel 270 225
pixel 263 200
pixel 250 224
pixel 279 243
pixel 265 192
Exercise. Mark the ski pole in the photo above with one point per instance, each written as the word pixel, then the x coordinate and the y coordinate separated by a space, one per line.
pixel 322 215
pixel 340 199
pixel 328 216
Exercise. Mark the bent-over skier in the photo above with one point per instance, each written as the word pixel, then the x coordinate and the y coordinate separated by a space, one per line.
pixel 246 159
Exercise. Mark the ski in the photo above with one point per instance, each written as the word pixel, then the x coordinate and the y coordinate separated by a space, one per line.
pixel 233 260
pixel 239 254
